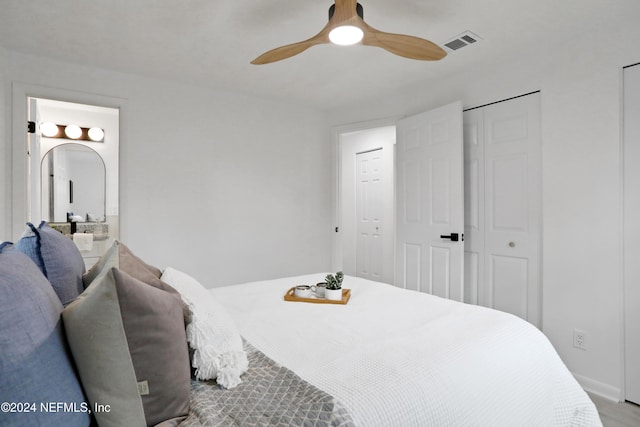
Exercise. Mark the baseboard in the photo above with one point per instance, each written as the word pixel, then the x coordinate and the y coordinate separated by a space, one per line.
pixel 601 389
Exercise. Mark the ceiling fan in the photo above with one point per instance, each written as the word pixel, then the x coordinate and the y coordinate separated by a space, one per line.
pixel 346 26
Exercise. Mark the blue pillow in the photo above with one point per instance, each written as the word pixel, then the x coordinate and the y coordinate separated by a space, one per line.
pixel 57 257
pixel 35 364
pixel 28 244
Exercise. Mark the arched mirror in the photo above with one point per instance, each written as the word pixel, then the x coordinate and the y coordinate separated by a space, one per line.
pixel 73 183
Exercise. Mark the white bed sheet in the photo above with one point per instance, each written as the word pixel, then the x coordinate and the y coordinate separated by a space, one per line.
pixel 401 358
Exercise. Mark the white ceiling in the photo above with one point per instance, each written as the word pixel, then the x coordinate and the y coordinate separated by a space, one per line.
pixel 211 42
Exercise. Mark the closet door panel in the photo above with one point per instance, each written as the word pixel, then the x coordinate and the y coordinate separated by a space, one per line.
pixel 503 206
pixel 512 206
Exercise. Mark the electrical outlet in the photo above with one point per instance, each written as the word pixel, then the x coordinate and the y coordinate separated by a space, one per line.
pixel 579 339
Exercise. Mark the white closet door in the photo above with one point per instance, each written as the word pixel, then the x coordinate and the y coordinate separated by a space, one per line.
pixel 369 215
pixel 512 167
pixel 430 203
pixel 502 206
pixel 631 241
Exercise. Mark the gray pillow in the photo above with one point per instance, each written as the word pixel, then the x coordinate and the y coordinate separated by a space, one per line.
pixel 35 365
pixel 135 334
pixel 58 258
pixel 121 257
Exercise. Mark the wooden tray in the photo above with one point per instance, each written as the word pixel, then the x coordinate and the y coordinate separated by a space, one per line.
pixel 291 296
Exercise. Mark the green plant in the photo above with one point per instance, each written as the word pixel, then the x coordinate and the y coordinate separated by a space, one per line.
pixel 334 282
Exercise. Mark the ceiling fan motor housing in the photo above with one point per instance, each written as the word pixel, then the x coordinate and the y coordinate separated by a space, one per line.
pixel 359 10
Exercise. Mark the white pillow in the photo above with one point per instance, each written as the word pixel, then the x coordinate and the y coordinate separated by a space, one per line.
pixel 218 351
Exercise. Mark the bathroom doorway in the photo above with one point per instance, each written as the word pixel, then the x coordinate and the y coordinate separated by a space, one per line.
pixel 88 164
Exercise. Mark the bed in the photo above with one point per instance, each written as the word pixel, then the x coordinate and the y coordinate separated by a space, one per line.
pixel 129 344
pixel 397 357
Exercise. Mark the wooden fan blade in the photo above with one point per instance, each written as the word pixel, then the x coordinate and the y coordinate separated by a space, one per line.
pixel 399 44
pixel 282 52
pixel 287 51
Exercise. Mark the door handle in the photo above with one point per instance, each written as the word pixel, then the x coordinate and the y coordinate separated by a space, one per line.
pixel 454 237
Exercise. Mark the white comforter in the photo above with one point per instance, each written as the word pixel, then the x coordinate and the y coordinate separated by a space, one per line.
pixel 401 358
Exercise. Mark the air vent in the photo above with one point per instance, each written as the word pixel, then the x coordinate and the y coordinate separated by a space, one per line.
pixel 462 40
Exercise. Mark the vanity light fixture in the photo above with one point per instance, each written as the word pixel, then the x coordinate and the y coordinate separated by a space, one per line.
pixel 49 129
pixel 73 131
pixel 95 134
pixel 52 130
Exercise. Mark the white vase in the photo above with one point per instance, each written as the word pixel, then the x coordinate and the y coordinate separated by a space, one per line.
pixel 333 294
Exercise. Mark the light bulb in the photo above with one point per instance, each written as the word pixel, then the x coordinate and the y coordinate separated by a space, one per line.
pixel 48 129
pixel 73 131
pixel 346 35
pixel 96 134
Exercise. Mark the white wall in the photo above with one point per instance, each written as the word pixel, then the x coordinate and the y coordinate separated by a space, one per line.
pixel 580 94
pixel 227 187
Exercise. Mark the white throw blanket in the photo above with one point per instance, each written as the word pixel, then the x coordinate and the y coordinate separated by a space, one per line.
pixel 218 350
pixel 401 358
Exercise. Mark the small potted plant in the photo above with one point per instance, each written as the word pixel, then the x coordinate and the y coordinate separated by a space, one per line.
pixel 333 289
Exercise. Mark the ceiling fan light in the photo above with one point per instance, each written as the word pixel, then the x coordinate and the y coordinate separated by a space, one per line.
pixel 346 35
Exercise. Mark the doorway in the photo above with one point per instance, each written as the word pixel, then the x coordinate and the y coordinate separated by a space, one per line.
pixel 87 169
pixel 366 200
pixel 72 180
pixel 24 161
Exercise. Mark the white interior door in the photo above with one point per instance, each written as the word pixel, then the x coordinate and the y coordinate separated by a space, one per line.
pixel 430 203
pixel 631 240
pixel 369 214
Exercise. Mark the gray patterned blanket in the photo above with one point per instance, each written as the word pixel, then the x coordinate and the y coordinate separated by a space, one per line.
pixel 270 395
